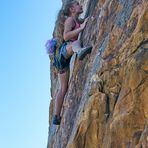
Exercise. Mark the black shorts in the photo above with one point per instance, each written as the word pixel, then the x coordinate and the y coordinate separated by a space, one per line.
pixel 63 60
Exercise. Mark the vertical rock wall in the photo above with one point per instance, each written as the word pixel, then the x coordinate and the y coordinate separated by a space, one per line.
pixel 106 105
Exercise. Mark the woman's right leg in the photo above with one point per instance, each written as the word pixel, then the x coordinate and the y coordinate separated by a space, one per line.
pixel 76 47
pixel 73 47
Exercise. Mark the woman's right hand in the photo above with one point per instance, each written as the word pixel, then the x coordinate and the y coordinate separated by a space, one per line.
pixel 82 26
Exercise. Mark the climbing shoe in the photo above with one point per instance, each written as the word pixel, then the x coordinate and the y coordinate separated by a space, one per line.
pixel 83 52
pixel 56 120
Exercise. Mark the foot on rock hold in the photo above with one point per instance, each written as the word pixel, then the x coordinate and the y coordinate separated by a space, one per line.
pixel 83 52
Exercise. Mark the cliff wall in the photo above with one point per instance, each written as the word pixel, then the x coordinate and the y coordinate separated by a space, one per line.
pixel 106 105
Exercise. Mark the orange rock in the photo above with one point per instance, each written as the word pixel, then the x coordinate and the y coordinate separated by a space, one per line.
pixel 106 105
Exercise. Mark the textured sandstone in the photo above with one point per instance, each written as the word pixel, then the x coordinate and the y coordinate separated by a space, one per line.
pixel 106 105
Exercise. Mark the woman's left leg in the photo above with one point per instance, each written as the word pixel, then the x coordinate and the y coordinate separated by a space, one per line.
pixel 64 78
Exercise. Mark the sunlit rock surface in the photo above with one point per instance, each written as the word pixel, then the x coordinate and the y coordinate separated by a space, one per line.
pixel 106 105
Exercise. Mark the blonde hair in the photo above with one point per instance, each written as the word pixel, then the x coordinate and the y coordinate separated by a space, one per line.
pixel 59 25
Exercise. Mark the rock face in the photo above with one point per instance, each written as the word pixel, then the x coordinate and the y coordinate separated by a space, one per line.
pixel 106 105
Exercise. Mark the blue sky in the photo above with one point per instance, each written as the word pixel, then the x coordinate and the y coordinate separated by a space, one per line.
pixel 24 71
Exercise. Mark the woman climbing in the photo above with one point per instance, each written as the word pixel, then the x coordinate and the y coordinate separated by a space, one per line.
pixel 67 28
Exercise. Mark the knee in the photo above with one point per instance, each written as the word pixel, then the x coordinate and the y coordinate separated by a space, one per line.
pixel 69 49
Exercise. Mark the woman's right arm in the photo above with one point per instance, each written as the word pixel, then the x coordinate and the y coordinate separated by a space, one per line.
pixel 68 32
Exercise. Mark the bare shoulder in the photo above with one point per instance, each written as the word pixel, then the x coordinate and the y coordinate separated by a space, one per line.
pixel 69 21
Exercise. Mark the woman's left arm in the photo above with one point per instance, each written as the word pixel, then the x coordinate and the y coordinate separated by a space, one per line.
pixel 81 20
